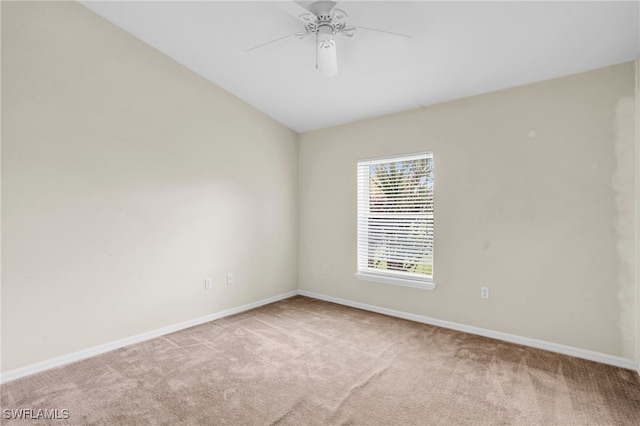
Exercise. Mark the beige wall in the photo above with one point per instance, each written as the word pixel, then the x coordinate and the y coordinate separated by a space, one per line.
pixel 126 180
pixel 525 204
pixel 638 208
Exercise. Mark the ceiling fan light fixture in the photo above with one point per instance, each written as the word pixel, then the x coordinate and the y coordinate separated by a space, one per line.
pixel 327 58
pixel 325 32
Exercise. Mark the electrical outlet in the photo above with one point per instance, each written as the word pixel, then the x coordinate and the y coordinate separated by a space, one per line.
pixel 325 269
pixel 207 283
pixel 484 292
pixel 229 278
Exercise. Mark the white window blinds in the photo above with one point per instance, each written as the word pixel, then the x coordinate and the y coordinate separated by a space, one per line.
pixel 395 220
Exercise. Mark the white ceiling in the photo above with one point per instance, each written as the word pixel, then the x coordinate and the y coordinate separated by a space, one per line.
pixel 457 49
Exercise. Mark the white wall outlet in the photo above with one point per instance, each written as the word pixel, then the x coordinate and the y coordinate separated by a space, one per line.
pixel 484 292
pixel 207 283
pixel 229 278
pixel 325 269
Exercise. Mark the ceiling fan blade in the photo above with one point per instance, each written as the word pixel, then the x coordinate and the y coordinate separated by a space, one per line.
pixel 339 14
pixel 349 32
pixel 273 41
pixel 382 31
pixel 303 35
pixel 308 18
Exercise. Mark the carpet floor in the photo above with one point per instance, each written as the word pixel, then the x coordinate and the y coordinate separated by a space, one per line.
pixel 302 361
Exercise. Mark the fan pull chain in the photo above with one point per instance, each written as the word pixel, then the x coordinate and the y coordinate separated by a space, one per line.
pixel 316 50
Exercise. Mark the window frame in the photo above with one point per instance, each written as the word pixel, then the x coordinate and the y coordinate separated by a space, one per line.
pixel 402 278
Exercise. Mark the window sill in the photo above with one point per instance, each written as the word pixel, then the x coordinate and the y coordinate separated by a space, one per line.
pixel 424 285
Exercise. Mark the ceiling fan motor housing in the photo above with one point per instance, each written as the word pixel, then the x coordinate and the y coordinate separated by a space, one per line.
pixel 322 9
pixel 328 21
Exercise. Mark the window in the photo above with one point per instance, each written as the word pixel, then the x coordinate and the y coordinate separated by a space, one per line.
pixel 395 220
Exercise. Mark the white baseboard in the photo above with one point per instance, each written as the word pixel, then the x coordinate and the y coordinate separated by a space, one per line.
pixel 534 343
pixel 97 350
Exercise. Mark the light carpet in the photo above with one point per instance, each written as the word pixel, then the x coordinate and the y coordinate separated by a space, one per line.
pixel 302 361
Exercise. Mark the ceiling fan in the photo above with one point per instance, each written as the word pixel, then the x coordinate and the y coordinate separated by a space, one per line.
pixel 323 21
